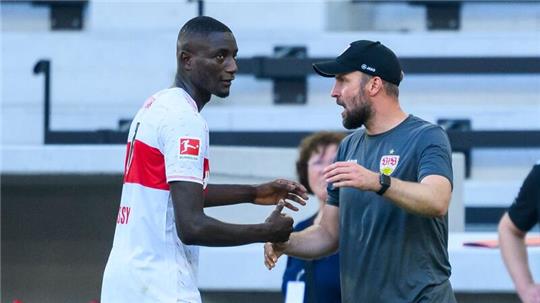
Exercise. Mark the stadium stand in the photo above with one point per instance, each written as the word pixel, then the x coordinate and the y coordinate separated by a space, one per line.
pixel 59 200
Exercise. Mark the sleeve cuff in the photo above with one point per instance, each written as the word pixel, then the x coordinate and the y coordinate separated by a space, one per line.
pixel 184 178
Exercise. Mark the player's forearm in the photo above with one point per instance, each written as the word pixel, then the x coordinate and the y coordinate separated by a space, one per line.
pixel 226 194
pixel 514 253
pixel 418 198
pixel 312 243
pixel 207 231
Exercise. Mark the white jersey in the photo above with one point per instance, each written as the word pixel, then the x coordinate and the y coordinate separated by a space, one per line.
pixel 168 141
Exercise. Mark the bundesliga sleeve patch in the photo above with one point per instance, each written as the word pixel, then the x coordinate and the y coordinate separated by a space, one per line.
pixel 189 148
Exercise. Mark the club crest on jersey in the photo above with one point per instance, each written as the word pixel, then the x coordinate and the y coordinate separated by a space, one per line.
pixel 388 164
pixel 189 148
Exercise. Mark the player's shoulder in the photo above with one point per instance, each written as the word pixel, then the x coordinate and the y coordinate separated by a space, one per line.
pixel 174 99
pixel 173 104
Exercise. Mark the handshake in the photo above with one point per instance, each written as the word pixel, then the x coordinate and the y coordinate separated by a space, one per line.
pixel 320 238
pixel 283 227
pixel 280 225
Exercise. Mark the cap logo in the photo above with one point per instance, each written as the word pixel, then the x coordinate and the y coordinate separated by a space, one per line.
pixel 369 68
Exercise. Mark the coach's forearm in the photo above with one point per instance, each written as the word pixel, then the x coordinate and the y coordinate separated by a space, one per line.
pixel 422 199
pixel 312 243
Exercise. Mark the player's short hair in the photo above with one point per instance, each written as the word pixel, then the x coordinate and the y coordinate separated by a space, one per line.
pixel 202 25
pixel 310 145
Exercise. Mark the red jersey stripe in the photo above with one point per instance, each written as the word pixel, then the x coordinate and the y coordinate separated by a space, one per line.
pixel 147 167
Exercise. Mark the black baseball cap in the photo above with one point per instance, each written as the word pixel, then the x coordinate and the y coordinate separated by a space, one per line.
pixel 372 58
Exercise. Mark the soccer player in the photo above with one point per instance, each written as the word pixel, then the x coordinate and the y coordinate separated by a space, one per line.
pixel 165 181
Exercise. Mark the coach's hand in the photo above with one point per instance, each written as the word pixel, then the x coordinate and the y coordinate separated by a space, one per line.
pixel 350 174
pixel 280 225
pixel 272 192
pixel 272 252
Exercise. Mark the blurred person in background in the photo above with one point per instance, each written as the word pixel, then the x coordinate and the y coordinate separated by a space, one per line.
pixel 521 217
pixel 165 187
pixel 389 190
pixel 321 276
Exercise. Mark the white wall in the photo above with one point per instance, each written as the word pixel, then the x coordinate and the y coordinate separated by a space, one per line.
pixel 98 78
pixel 126 52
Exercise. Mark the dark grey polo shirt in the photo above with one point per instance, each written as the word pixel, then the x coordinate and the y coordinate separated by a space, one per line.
pixel 386 253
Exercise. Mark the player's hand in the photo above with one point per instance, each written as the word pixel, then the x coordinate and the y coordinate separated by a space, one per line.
pixel 350 174
pixel 272 252
pixel 289 191
pixel 280 224
pixel 530 294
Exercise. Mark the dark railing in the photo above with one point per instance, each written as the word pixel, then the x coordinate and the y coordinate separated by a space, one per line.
pixel 44 66
pixel 269 67
pixel 264 67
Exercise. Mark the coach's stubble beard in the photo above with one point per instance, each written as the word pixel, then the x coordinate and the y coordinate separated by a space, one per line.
pixel 358 115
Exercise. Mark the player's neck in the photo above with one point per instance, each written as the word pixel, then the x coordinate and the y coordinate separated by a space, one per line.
pixel 199 97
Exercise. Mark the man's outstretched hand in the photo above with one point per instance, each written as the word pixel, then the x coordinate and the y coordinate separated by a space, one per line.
pixel 272 252
pixel 289 191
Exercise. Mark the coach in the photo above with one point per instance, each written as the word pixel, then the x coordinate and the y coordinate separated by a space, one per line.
pixel 389 190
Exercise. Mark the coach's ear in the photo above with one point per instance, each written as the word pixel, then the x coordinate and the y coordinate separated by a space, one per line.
pixel 374 86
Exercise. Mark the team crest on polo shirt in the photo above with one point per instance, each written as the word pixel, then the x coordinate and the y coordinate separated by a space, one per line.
pixel 388 163
pixel 189 148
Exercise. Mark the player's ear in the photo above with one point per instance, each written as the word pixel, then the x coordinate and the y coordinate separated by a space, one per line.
pixel 186 60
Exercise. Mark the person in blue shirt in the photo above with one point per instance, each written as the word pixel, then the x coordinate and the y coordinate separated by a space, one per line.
pixel 321 276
